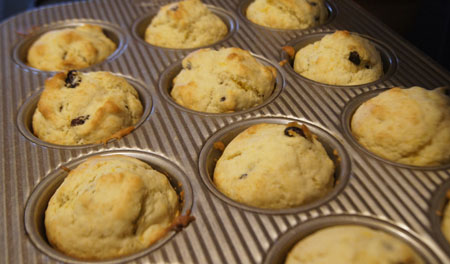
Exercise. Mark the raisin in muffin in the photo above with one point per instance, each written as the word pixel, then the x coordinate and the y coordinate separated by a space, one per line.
pixel 110 206
pixel 227 80
pixel 78 108
pixel 340 58
pixel 274 166
pixel 70 48
pixel 351 244
pixel 409 126
pixel 287 14
pixel 185 24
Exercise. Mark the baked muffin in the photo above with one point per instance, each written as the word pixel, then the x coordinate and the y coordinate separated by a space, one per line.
pixel 445 226
pixel 351 244
pixel 287 14
pixel 274 166
pixel 108 207
pixel 70 48
pixel 227 80
pixel 409 126
pixel 340 58
pixel 78 108
pixel 183 25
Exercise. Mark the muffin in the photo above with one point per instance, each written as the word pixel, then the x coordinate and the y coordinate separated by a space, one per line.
pixel 409 126
pixel 274 166
pixel 227 80
pixel 350 244
pixel 183 25
pixel 78 108
pixel 287 14
pixel 445 226
pixel 340 58
pixel 70 48
pixel 108 207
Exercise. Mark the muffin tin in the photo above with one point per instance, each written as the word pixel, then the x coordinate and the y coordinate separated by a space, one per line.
pixel 398 199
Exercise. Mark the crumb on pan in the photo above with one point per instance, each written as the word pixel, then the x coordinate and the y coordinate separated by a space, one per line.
pixel 182 221
pixel 219 145
pixel 289 50
pixel 64 168
pixel 283 62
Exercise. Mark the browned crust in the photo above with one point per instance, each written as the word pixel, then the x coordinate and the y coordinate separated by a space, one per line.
pixel 219 145
pixel 283 62
pixel 118 135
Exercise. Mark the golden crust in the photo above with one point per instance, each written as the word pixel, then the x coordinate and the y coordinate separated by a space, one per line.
pixel 71 48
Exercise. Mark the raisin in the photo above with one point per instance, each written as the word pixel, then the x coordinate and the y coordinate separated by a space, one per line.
pixel 367 66
pixel 317 18
pixel 311 3
pixel 290 130
pixel 354 58
pixel 188 66
pixel 79 120
pixel 223 99
pixel 243 176
pixel 73 79
pixel 60 108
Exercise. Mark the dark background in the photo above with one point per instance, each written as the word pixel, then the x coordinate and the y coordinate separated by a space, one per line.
pixel 424 23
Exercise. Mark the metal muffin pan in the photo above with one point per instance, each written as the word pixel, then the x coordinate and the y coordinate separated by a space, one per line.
pixel 388 58
pixel 112 31
pixel 26 112
pixel 331 8
pixel 346 119
pixel 222 232
pixel 210 155
pixel 437 209
pixel 140 25
pixel 165 86
pixel 37 203
pixel 279 252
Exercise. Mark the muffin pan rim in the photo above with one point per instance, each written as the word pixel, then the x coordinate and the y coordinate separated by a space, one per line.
pixel 57 175
pixel 294 235
pixel 226 16
pixel 28 107
pixel 165 80
pixel 107 26
pixel 439 202
pixel 345 120
pixel 331 7
pixel 342 177
pixel 385 53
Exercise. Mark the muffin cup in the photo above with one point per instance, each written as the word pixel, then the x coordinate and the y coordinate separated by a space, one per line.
pixel 141 24
pixel 346 118
pixel 388 58
pixel 38 201
pixel 209 155
pixel 113 32
pixel 438 204
pixel 330 6
pixel 279 251
pixel 25 115
pixel 165 85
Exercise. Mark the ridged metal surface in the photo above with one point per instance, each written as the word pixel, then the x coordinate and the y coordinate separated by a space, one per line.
pixel 221 233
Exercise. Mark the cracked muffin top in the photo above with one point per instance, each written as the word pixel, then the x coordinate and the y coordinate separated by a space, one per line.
pixel 227 80
pixel 409 126
pixel 274 166
pixel 70 48
pixel 185 24
pixel 352 244
pixel 110 206
pixel 287 14
pixel 78 108
pixel 340 58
